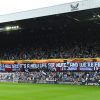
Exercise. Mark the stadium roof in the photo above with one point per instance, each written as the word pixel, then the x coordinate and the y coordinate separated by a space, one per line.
pixel 64 8
pixel 75 25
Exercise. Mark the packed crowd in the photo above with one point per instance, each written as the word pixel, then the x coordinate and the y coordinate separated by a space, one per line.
pixel 57 77
pixel 52 77
pixel 77 51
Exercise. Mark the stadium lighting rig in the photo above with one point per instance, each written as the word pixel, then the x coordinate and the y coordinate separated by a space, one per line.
pixel 95 17
pixel 10 28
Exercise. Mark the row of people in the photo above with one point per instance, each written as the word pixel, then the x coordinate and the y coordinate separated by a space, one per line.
pixel 36 77
pixel 43 53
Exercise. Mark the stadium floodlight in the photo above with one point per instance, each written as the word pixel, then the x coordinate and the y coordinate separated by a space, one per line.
pixel 7 28
pixel 17 26
pixel 11 28
pixel 98 16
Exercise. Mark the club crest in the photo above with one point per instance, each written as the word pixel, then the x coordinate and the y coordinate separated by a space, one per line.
pixel 74 6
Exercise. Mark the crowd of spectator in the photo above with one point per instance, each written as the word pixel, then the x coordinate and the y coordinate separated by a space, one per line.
pixel 52 77
pixel 74 51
